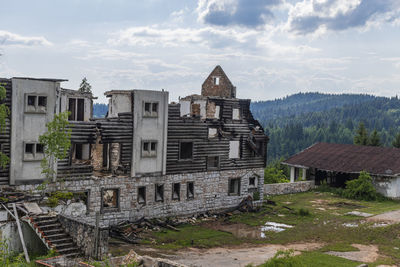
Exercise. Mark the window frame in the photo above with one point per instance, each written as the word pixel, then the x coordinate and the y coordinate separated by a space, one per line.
pixel 238 113
pixel 74 115
pixel 188 196
pixel 151 113
pixel 156 186
pixel 35 155
pixel 180 147
pixel 35 108
pixel 230 186
pixel 178 198
pixel 144 197
pixel 239 149
pixel 149 153
pixel 110 209
pixel 218 163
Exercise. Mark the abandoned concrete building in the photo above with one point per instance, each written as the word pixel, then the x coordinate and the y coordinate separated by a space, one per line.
pixel 338 163
pixel 146 158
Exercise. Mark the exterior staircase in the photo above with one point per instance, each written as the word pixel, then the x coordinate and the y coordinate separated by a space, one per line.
pixel 51 232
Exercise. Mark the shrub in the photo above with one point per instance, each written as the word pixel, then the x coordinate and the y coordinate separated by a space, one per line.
pixel 56 196
pixel 304 212
pixel 361 188
pixel 272 175
pixel 283 259
pixel 256 196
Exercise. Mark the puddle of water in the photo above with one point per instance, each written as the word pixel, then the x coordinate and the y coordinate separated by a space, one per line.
pixel 274 227
pixel 350 225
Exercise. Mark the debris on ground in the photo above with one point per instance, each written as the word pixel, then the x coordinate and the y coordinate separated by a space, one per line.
pixel 274 227
pixel 359 213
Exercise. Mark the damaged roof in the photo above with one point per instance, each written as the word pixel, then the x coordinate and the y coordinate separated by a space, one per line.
pixel 383 161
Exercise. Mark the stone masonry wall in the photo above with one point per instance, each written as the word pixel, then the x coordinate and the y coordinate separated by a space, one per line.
pixel 210 193
pixel 288 188
pixel 84 236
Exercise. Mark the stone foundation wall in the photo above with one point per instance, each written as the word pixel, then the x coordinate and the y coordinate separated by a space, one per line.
pixel 84 236
pixel 210 193
pixel 288 188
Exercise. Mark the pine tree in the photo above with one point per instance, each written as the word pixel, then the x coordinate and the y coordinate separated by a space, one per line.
pixel 375 139
pixel 361 137
pixel 85 87
pixel 396 141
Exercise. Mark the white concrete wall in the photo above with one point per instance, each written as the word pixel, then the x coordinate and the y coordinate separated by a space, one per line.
pixel 27 127
pixel 119 102
pixel 149 129
pixel 388 186
pixel 88 105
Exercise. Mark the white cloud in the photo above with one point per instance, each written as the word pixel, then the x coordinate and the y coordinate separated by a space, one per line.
pixel 8 38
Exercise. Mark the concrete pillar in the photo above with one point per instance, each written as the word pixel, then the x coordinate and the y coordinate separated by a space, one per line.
pixel 304 171
pixel 292 174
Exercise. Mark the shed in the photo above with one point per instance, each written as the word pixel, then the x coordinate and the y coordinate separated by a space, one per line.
pixel 337 163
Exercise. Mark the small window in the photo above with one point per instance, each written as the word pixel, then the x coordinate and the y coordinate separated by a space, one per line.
pixel 31 100
pixel 190 190
pixel 212 162
pixel 110 198
pixel 150 109
pixel 149 149
pixel 78 151
pixel 234 149
pixel 186 150
pixel 39 148
pixel 216 80
pixel 217 112
pixel 29 148
pixel 234 187
pixel 159 196
pixel 35 104
pixel 176 191
pixel 142 195
pixel 252 181
pixel 42 101
pixel 235 114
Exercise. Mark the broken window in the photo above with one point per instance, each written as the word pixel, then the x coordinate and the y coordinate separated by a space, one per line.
pixel 150 109
pixel 36 104
pixel 176 191
pixel 78 151
pixel 149 149
pixel 142 195
pixel 110 199
pixel 235 114
pixel 159 196
pixel 217 112
pixel 76 107
pixel 212 162
pixel 212 132
pixel 234 149
pixel 186 150
pixel 234 187
pixel 33 151
pixel 216 80
pixel 190 190
pixel 252 181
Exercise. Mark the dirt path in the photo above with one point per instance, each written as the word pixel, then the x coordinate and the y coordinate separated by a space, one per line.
pixel 237 256
pixel 367 253
pixel 391 217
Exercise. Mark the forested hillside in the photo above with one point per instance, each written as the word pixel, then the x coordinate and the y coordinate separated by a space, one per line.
pixel 298 121
pixel 99 110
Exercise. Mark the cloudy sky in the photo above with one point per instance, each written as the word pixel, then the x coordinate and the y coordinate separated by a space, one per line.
pixel 268 48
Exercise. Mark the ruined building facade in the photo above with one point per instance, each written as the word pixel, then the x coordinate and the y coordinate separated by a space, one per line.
pixel 148 157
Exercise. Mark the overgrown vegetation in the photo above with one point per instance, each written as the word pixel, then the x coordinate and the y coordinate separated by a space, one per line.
pixel 55 198
pixel 56 142
pixel 275 172
pixel 4 113
pixel 283 258
pixel 359 189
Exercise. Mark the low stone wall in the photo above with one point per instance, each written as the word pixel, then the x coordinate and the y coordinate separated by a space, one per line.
pixel 210 194
pixel 84 236
pixel 288 188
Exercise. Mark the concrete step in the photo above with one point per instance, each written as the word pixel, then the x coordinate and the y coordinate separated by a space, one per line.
pixel 52 231
pixel 51 226
pixel 64 245
pixel 72 255
pixel 67 250
pixel 45 222
pixel 57 236
pixel 61 240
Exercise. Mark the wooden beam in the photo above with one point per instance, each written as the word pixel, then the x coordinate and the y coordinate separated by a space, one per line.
pixel 20 234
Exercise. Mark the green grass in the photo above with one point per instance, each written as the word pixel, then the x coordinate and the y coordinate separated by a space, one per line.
pixel 318 259
pixel 194 236
pixel 323 224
